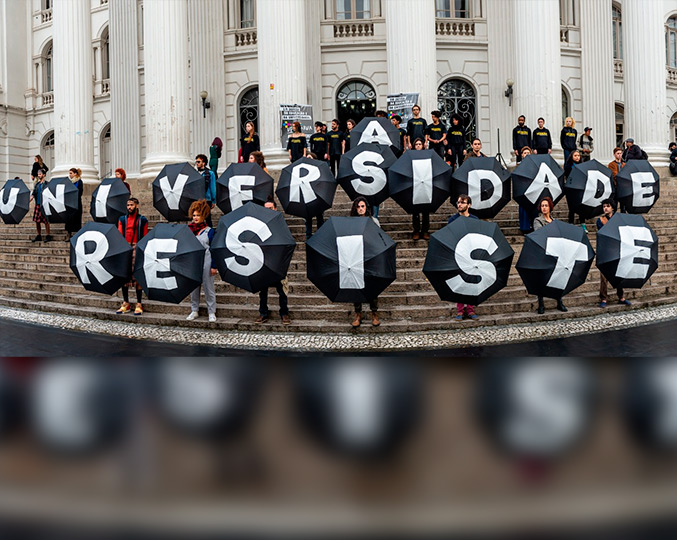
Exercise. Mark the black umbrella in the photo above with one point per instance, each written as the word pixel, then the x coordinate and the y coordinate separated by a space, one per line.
pixel 363 171
pixel 419 181
pixel 350 259
pixel 638 186
pixel 627 251
pixel 376 130
pixel 177 187
pixel 14 201
pixel 101 258
pixel 60 199
pixel 168 262
pixel 487 184
pixel 468 261
pixel 537 176
pixel 252 247
pixel 109 201
pixel 306 188
pixel 555 260
pixel 587 186
pixel 240 183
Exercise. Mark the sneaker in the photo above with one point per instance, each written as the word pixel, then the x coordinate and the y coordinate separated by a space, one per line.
pixel 459 317
pixel 48 238
pixel 212 317
pixel 602 304
pixel 625 302
pixel 261 319
pixel 474 317
pixel 124 308
pixel 286 319
pixel 584 227
pixel 138 310
pixel 415 236
pixel 192 316
pixel 38 238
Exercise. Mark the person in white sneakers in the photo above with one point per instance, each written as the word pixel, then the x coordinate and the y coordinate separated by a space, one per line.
pixel 200 211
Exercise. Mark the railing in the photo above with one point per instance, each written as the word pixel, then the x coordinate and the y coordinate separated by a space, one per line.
pixel 454 27
pixel 103 3
pixel 353 29
pixel 563 34
pixel 47 99
pixel 105 87
pixel 618 68
pixel 46 15
pixel 672 76
pixel 244 38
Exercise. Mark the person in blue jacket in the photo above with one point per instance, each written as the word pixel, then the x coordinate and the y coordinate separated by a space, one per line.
pixel 210 183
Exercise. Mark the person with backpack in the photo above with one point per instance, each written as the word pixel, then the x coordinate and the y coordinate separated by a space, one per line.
pixel 585 145
pixel 633 151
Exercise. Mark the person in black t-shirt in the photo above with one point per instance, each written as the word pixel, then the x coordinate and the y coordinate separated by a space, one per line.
pixel 296 144
pixel 350 125
pixel 456 141
pixel 542 142
pixel 415 127
pixel 435 134
pixel 521 137
pixel 318 143
pixel 336 142
pixel 420 229
pixel 396 121
pixel 249 142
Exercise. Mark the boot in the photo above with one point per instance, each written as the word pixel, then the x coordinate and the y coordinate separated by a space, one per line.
pixel 561 306
pixel 374 319
pixel 541 306
pixel 358 319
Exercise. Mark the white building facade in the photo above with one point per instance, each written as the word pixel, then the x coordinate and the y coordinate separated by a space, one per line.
pixel 101 84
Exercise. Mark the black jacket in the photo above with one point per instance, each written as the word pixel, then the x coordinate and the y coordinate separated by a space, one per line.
pixel 521 137
pixel 542 140
pixel 633 152
pixel 567 138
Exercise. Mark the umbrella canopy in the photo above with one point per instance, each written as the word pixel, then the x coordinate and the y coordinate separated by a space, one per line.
pixel 537 176
pixel 60 199
pixel 240 183
pixel 168 263
pixel 376 130
pixel 627 251
pixel 487 184
pixel 468 261
pixel 14 201
pixel 252 247
pixel 177 187
pixel 101 258
pixel 306 188
pixel 638 186
pixel 555 260
pixel 587 186
pixel 109 201
pixel 363 171
pixel 419 181
pixel 350 259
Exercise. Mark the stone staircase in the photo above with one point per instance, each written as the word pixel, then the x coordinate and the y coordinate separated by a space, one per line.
pixel 37 277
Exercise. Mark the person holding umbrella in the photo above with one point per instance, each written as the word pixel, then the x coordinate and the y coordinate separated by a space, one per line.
pixel 545 218
pixel 567 137
pixel 133 227
pixel 38 214
pixel 210 183
pixel 122 175
pixel 249 142
pixel 615 166
pixel 608 209
pixel 526 218
pixel 360 208
pixel 416 216
pixel 215 154
pixel 541 140
pixel 200 211
pixel 74 222
pixel 463 204
pixel 296 144
pixel 575 158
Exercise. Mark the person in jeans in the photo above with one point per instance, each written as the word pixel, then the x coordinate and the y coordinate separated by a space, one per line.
pixel 608 209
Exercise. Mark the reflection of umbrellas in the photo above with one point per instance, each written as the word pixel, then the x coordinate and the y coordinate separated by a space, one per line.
pixel 109 201
pixel 555 260
pixel 306 188
pixel 468 261
pixel 537 176
pixel 376 130
pixel 14 201
pixel 362 171
pixel 252 247
pixel 419 181
pixel 175 189
pixel 627 251
pixel 638 186
pixel 100 257
pixel 168 262
pixel 350 259
pixel 240 183
pixel 487 184
pixel 587 186
pixel 60 199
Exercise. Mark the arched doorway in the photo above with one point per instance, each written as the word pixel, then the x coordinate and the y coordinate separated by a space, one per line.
pixel 456 96
pixel 356 100
pixel 249 109
pixel 620 124
pixel 673 127
pixel 47 150
pixel 105 167
pixel 566 108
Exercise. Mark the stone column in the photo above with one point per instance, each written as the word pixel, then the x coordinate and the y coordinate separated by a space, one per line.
pixel 207 73
pixel 73 89
pixel 282 66
pixel 538 73
pixel 314 62
pixel 165 28
pixel 124 92
pixel 410 47
pixel 597 77
pixel 646 118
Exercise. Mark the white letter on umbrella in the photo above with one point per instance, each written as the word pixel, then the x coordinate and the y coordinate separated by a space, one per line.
pixel 351 261
pixel 247 250
pixel 486 270
pixel 370 171
pixel 375 133
pixel 92 261
pixel 173 194
pixel 301 184
pixel 544 179
pixel 567 252
pixel 642 188
pixel 55 203
pixel 423 180
pixel 630 251
pixel 593 180
pixel 7 207
pixel 475 178
pixel 101 198
pixel 152 264
pixel 236 192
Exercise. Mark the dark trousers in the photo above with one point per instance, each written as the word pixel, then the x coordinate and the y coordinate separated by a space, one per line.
pixel 603 289
pixel 456 156
pixel 673 169
pixel 334 163
pixel 263 301
pixel 416 222
pixel 373 305
pixel 309 224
